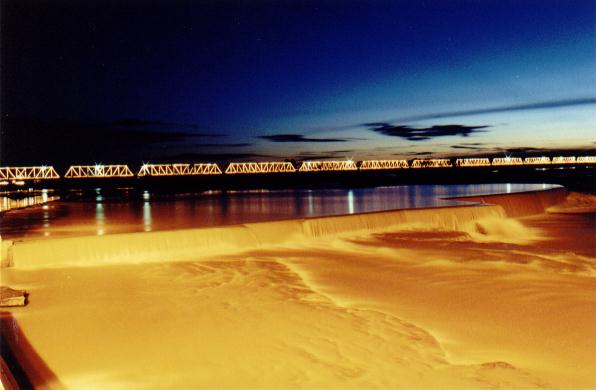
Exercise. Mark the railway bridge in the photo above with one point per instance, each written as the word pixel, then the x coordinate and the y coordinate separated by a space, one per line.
pixel 23 175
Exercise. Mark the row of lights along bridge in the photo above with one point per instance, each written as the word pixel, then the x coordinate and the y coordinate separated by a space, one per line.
pixel 17 175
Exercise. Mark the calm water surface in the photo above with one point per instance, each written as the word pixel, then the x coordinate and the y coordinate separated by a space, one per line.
pixel 124 210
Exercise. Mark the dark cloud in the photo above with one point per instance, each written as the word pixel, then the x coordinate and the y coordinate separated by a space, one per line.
pixel 320 156
pixel 331 154
pixel 462 146
pixel 529 151
pixel 413 154
pixel 231 145
pixel 424 133
pixel 33 141
pixel 341 151
pixel 221 157
pixel 532 151
pixel 510 108
pixel 298 138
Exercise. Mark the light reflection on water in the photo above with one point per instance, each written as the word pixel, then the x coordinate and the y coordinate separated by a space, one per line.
pixel 147 222
pixel 146 211
pixel 100 218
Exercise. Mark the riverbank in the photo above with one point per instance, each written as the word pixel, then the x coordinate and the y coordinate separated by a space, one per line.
pixel 23 199
pixel 458 301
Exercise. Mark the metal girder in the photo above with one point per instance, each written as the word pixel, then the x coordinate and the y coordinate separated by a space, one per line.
pixel 98 171
pixel 564 160
pixel 536 160
pixel 28 173
pixel 178 169
pixel 383 164
pixel 432 163
pixel 501 161
pixel 586 160
pixel 260 167
pixel 313 166
pixel 472 162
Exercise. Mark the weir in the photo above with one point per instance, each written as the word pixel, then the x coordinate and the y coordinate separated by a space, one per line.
pixel 192 244
pixel 522 204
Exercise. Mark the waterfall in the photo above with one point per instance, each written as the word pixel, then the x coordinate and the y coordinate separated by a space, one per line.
pixel 177 245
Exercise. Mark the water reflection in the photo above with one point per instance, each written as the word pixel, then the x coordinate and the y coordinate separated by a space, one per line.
pixel 100 219
pixel 98 197
pixel 145 211
pixel 46 220
pixel 22 199
pixel 350 202
pixel 147 216
pixel 310 204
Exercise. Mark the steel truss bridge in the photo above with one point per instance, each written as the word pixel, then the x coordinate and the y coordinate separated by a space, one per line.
pixel 18 175
pixel 314 166
pixel 178 170
pixel 107 171
pixel 260 167
pixel 472 162
pixel 432 163
pixel 383 164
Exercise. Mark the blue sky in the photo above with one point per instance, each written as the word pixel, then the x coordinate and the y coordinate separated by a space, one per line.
pixel 269 80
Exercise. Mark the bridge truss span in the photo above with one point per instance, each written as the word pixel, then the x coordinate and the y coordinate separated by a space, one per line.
pixel 564 160
pixel 259 167
pixel 383 164
pixel 319 166
pixel 472 162
pixel 98 171
pixel 537 161
pixel 586 160
pixel 183 169
pixel 432 163
pixel 507 161
pixel 28 173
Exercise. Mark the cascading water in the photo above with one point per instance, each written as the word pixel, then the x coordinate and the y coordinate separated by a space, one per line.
pixel 164 246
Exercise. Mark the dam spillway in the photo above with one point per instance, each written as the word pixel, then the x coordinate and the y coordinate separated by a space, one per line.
pixel 104 211
pixel 175 245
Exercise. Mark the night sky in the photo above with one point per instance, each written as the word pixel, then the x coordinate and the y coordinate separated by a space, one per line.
pixel 163 81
